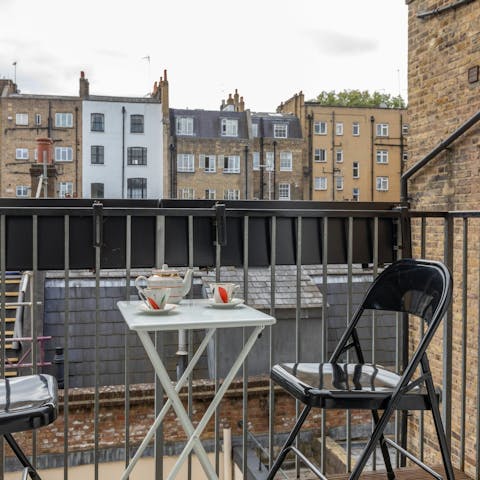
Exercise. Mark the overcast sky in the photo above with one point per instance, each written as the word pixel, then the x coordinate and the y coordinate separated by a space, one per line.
pixel 268 50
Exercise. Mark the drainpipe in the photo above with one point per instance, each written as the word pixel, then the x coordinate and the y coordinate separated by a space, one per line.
pixel 274 167
pixel 310 155
pixel 173 190
pixel 246 172
pixel 76 152
pixel 262 163
pixel 430 156
pixel 372 155
pixel 123 151
pixel 333 155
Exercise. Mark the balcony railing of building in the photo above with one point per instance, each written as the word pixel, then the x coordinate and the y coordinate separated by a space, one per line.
pixel 316 245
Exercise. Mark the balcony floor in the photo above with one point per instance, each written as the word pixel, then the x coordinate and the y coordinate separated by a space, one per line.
pixel 410 473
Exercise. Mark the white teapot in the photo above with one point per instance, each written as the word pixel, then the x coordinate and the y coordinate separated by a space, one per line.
pixel 167 278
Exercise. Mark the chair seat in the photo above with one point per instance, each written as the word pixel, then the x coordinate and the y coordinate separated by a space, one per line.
pixel 27 403
pixel 346 385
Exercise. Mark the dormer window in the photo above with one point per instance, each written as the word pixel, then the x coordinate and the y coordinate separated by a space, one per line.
pixel 229 127
pixel 184 126
pixel 280 130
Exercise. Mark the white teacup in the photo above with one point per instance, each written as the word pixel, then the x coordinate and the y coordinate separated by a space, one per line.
pixel 223 292
pixel 154 298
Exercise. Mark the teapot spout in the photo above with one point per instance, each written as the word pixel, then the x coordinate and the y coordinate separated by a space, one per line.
pixel 187 281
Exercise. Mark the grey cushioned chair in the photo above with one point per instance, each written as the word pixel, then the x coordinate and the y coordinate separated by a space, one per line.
pixel 418 287
pixel 26 403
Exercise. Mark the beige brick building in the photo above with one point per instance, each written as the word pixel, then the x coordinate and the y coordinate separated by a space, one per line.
pixel 351 153
pixel 234 154
pixel 23 119
pixel 444 92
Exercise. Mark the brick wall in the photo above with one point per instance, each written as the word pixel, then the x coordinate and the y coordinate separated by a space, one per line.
pixel 443 48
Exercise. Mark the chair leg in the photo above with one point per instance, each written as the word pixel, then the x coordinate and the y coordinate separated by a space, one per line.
pixel 437 420
pixel 384 449
pixel 286 446
pixel 21 456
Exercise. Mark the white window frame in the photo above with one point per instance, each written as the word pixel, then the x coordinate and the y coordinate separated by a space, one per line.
pixel 63 154
pixel 229 127
pixel 207 163
pixel 320 128
pixel 284 191
pixel 382 184
pixel 356 129
pixel 21 119
pixel 356 194
pixel 210 194
pixel 232 163
pixel 356 167
pixel 22 191
pixel 64 189
pixel 231 194
pixel 339 156
pixel 186 193
pixel 339 128
pixel 64 120
pixel 280 130
pixel 38 119
pixel 339 182
pixel 21 154
pixel 382 129
pixel 185 162
pixel 184 126
pixel 382 157
pixel 320 183
pixel 256 160
pixel 286 161
pixel 320 155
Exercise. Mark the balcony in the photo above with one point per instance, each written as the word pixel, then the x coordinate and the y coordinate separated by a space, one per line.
pixel 306 263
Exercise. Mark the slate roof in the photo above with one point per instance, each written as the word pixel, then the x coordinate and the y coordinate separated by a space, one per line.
pixel 266 121
pixel 206 123
pixel 259 286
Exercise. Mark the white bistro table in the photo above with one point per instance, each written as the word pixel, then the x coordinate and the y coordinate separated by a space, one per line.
pixel 189 314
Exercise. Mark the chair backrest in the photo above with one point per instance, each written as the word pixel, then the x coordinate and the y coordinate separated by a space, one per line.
pixel 419 287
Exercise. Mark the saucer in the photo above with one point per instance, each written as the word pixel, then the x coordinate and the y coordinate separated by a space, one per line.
pixel 232 304
pixel 164 311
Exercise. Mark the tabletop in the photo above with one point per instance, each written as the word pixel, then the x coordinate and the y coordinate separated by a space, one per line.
pixel 192 314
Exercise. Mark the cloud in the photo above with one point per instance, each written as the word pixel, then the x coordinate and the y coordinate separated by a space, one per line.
pixel 333 43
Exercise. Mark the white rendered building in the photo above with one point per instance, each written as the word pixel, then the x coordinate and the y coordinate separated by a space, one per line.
pixel 122 145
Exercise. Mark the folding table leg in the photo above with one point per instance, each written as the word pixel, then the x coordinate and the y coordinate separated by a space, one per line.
pixel 195 438
pixel 182 415
pixel 168 404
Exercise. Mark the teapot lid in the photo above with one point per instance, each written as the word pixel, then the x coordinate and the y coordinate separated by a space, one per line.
pixel 165 271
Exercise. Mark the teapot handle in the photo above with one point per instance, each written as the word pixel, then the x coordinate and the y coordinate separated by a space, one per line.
pixel 141 277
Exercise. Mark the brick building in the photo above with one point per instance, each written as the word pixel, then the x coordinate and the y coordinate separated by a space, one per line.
pixel 444 92
pixel 351 153
pixel 23 119
pixel 234 154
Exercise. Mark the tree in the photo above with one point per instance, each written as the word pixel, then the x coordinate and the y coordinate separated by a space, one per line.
pixel 358 98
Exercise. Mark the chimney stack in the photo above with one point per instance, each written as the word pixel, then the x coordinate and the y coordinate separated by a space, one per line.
pixel 84 86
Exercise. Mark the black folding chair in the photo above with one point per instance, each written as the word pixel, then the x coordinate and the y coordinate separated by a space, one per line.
pixel 26 403
pixel 418 287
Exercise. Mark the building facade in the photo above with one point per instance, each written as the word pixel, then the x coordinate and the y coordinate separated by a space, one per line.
pixel 444 94
pixel 24 119
pixel 123 148
pixel 352 154
pixel 233 154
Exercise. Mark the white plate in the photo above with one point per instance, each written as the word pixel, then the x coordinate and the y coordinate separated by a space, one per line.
pixel 167 308
pixel 232 304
